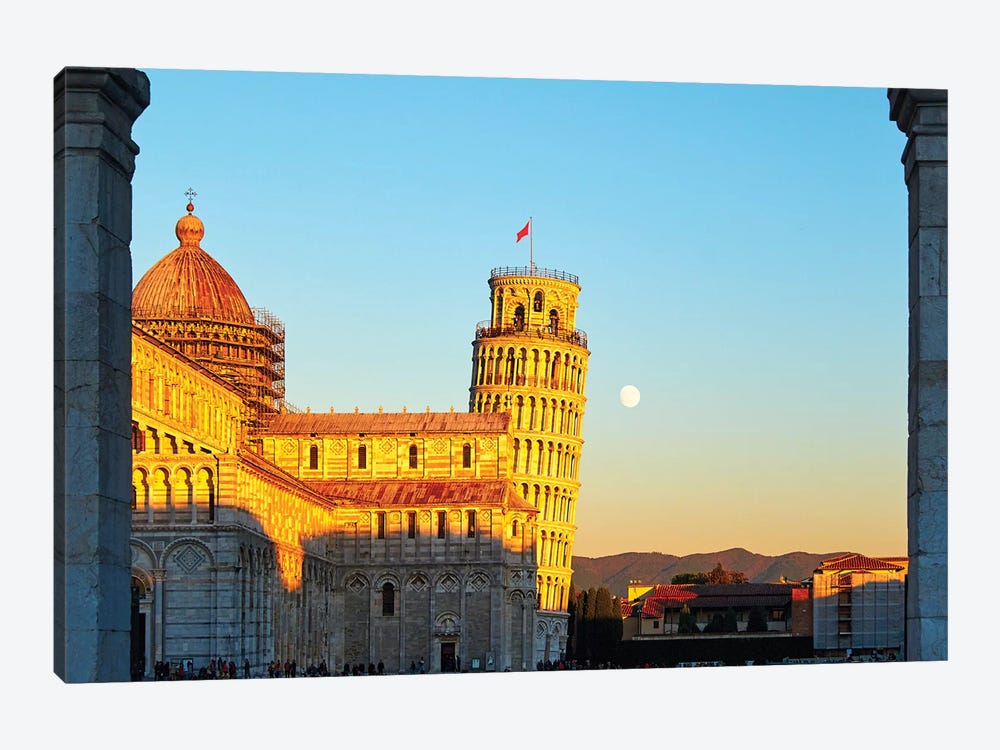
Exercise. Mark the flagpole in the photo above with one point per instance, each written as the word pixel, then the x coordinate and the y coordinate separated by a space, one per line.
pixel 531 250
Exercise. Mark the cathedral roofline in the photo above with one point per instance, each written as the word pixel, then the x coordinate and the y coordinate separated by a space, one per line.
pixel 385 493
pixel 387 423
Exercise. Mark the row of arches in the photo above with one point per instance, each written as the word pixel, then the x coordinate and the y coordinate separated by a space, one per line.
pixel 553 549
pixel 175 494
pixel 537 368
pixel 554 503
pixel 545 459
pixel 553 593
pixel 531 413
pixel 518 309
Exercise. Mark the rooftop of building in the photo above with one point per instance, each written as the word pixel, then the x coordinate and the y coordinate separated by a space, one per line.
pixel 397 493
pixel 188 283
pixel 308 423
pixel 856 561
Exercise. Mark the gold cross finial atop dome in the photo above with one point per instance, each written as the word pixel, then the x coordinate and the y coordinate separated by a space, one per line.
pixel 191 194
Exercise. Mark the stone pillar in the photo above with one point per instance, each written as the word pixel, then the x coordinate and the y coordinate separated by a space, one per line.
pixel 922 114
pixel 94 160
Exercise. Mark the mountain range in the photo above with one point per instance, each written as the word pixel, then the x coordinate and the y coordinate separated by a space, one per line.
pixel 615 571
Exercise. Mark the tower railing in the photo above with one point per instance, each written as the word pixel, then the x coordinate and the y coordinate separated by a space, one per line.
pixel 575 336
pixel 545 273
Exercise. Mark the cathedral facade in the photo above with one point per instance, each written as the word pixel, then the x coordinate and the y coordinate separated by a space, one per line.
pixel 434 539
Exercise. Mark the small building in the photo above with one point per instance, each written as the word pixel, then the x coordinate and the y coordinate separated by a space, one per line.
pixel 859 606
pixel 660 609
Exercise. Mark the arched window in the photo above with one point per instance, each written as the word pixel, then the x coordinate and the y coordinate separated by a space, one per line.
pixel 538 302
pixel 513 527
pixel 138 439
pixel 388 600
pixel 413 456
pixel 519 318
pixel 362 457
pixel 471 516
pixel 313 457
pixel 466 457
pixel 553 321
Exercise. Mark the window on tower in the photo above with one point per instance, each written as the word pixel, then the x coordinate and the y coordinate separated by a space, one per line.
pixel 362 457
pixel 466 456
pixel 388 600
pixel 538 302
pixel 413 456
pixel 313 457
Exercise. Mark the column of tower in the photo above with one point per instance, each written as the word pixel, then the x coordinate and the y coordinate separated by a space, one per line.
pixel 530 360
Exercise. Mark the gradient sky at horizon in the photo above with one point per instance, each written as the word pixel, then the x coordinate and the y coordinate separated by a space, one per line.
pixel 741 253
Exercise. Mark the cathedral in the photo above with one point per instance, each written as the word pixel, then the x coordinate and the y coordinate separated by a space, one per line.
pixel 262 533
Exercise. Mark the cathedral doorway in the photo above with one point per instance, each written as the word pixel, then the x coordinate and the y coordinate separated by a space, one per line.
pixel 448 657
pixel 137 650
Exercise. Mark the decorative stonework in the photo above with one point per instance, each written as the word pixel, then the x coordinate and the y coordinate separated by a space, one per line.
pixel 417 582
pixel 448 583
pixel 189 559
pixel 387 445
pixel 488 444
pixel 356 583
pixel 477 582
pixel 439 446
pixel 288 447
pixel 338 447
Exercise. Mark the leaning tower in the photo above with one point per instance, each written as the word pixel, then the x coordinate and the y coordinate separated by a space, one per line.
pixel 529 359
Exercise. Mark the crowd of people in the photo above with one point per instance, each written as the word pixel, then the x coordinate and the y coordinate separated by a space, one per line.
pixel 216 669
pixel 227 669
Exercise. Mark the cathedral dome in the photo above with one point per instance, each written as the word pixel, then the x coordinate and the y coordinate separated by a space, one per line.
pixel 189 283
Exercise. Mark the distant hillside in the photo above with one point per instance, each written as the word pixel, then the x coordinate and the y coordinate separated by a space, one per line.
pixel 615 571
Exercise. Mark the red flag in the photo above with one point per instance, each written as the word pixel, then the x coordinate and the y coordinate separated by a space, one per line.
pixel 523 233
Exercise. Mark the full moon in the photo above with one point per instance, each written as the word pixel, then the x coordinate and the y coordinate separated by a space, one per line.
pixel 629 396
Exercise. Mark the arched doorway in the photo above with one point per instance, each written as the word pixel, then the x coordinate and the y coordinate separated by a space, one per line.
pixel 137 650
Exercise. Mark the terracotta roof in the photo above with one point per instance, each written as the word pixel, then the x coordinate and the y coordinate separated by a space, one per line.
pixel 384 493
pixel 854 561
pixel 708 596
pixel 342 424
pixel 189 283
pixel 671 591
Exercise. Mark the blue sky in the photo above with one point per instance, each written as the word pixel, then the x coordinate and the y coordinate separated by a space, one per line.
pixel 741 253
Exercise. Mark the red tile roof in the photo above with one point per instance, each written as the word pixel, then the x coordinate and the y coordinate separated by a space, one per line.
pixel 855 561
pixel 342 424
pixel 189 283
pixel 415 493
pixel 708 596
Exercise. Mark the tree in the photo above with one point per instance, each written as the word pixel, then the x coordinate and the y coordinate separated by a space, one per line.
pixel 682 578
pixel 572 625
pixel 597 626
pixel 686 622
pixel 729 622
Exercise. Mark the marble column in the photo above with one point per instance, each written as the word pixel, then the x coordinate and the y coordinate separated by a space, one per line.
pixel 94 109
pixel 922 114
